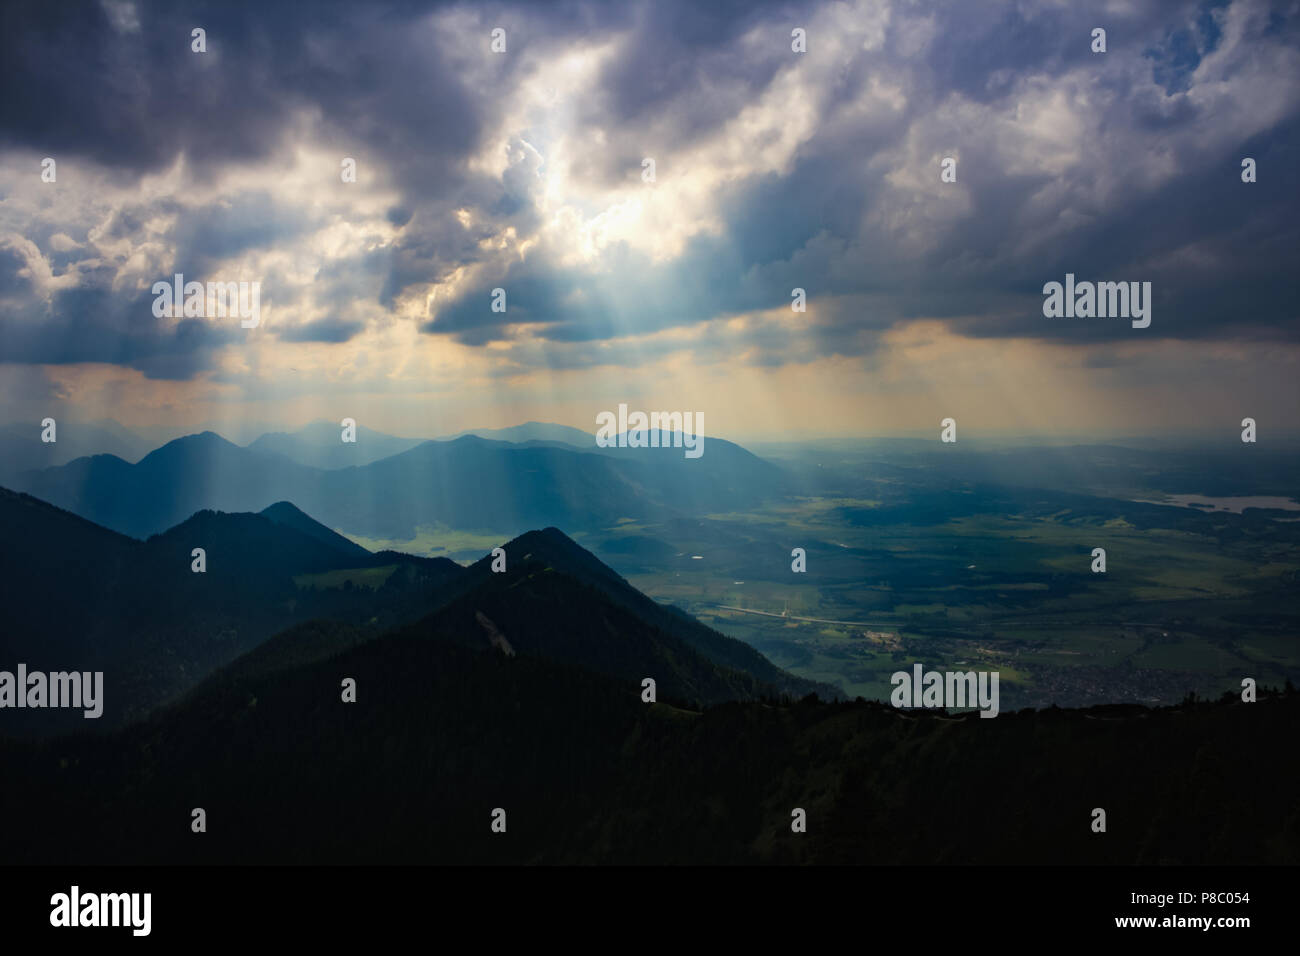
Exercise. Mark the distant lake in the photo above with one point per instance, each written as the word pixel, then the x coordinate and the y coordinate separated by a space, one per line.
pixel 1235 505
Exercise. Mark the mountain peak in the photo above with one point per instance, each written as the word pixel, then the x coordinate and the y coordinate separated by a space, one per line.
pixel 550 536
pixel 189 444
pixel 289 515
pixel 207 436
pixel 571 562
pixel 553 547
pixel 533 432
pixel 282 509
pixel 318 445
pixel 271 537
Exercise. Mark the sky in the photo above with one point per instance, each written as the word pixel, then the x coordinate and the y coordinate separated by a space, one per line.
pixel 526 170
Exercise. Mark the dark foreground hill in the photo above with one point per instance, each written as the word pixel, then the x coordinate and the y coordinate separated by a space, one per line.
pixel 442 734
pixel 80 597
pixel 551 548
pixel 538 611
pixel 522 690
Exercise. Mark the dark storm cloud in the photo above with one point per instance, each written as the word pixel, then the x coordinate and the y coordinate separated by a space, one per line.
pixel 677 49
pixel 92 324
pixel 133 100
pixel 1217 250
pixel 207 234
pixel 331 330
pixel 1237 284
pixel 95 320
pixel 382 85
pixel 12 282
pixel 77 86
pixel 636 296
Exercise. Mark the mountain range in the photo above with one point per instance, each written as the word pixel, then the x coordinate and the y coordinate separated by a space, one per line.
pixel 466 483
pixel 86 598
pixel 443 736
pixel 21 447
pixel 522 688
pixel 320 445
pixel 532 431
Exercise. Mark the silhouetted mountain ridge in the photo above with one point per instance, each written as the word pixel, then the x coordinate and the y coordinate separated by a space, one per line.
pixel 440 734
pixel 285 513
pixel 81 597
pixel 468 483
pixel 550 547
pixel 320 445
pixel 171 625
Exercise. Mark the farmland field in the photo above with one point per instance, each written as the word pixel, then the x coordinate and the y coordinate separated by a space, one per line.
pixel 1183 606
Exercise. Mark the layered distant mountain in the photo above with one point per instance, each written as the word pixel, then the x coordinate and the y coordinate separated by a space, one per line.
pixel 532 431
pixel 168 485
pixel 468 483
pixel 320 445
pixel 22 449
